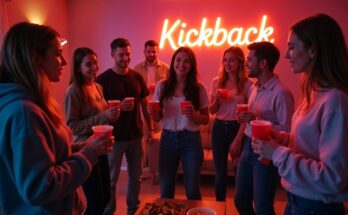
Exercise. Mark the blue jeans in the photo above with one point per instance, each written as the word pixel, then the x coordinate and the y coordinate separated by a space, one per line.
pixel 301 206
pixel 184 146
pixel 254 182
pixel 133 151
pixel 223 133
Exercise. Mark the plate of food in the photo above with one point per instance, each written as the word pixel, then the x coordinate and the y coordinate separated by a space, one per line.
pixel 201 211
pixel 167 207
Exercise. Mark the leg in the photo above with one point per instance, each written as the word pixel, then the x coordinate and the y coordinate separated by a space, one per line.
pixel 265 183
pixel 94 192
pixel 243 199
pixel 168 164
pixel 134 160
pixel 192 158
pixel 115 161
pixel 223 133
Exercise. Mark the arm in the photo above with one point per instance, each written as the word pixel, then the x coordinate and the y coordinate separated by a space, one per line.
pixel 200 117
pixel 214 104
pixel 52 172
pixel 73 105
pixel 285 106
pixel 236 146
pixel 326 174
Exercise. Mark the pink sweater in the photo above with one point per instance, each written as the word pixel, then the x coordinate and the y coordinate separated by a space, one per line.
pixel 315 166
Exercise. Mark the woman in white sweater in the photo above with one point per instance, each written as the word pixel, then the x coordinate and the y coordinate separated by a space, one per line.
pixel 312 160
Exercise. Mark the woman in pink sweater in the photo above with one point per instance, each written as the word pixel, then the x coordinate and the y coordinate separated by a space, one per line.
pixel 312 160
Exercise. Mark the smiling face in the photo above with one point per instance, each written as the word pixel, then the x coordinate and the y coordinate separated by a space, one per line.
pixel 182 64
pixel 231 63
pixel 89 68
pixel 301 58
pixel 53 61
pixel 122 56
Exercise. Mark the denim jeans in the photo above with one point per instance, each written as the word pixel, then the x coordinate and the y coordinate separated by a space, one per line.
pixel 133 152
pixel 184 146
pixel 254 182
pixel 223 133
pixel 301 206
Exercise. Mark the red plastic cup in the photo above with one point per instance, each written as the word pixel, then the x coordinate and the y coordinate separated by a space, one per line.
pixel 240 108
pixel 152 88
pixel 101 129
pixel 155 106
pixel 114 103
pixel 223 93
pixel 184 104
pixel 261 129
pixel 131 101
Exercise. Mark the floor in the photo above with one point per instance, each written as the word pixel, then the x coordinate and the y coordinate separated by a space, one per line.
pixel 149 190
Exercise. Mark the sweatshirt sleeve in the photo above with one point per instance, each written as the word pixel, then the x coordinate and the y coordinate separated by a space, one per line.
pixel 43 166
pixel 328 174
pixel 73 106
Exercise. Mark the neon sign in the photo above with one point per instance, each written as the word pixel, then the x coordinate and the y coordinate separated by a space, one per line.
pixel 177 35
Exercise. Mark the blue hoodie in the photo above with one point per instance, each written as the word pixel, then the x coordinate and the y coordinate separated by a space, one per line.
pixel 39 173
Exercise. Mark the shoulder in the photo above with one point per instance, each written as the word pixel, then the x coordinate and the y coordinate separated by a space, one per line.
pixel 139 66
pixel 72 89
pixel 202 87
pixel 215 80
pixel 333 99
pixel 105 75
pixel 162 64
pixel 100 87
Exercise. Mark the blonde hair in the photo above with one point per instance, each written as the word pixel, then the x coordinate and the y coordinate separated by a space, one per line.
pixel 23 44
pixel 242 74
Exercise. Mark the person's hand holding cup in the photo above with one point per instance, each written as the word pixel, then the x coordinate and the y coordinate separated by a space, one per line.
pixel 261 129
pixel 186 107
pixel 241 108
pixel 114 110
pixel 127 104
pixel 102 140
pixel 153 107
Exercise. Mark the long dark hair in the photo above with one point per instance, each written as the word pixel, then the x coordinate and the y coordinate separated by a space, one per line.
pixel 22 46
pixel 76 77
pixel 323 34
pixel 191 89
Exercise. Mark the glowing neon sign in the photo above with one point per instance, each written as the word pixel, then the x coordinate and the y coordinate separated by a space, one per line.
pixel 177 35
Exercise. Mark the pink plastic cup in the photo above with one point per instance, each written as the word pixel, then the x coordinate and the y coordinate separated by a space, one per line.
pixel 102 129
pixel 260 129
pixel 184 104
pixel 240 108
pixel 223 93
pixel 155 106
pixel 114 103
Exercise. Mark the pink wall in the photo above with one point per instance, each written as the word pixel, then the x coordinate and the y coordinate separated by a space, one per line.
pixel 51 12
pixel 96 23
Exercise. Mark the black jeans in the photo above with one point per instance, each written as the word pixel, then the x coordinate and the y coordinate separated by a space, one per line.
pixel 223 133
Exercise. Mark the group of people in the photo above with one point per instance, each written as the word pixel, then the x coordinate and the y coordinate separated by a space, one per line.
pixel 57 166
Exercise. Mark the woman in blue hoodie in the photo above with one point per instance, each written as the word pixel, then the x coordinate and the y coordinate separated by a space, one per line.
pixel 41 171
